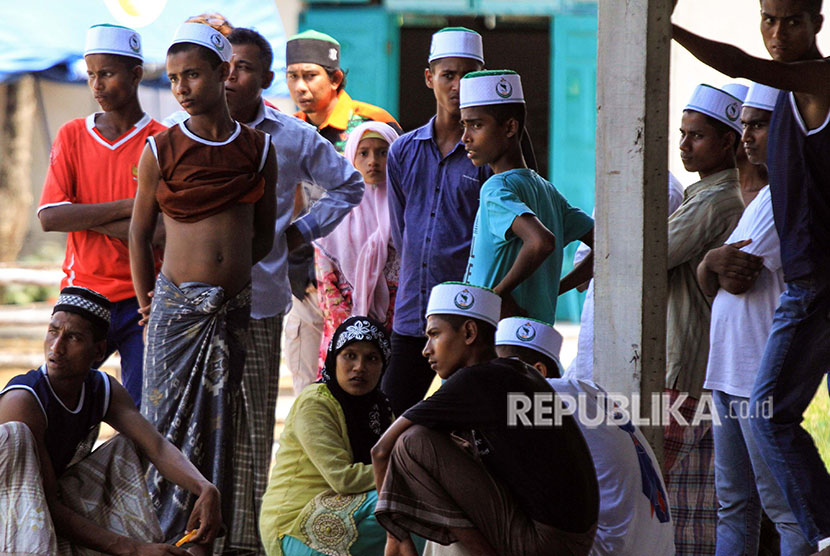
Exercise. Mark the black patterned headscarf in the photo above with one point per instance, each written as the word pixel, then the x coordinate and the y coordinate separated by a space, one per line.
pixel 369 415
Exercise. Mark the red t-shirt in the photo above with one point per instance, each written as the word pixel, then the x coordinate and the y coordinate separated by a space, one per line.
pixel 86 168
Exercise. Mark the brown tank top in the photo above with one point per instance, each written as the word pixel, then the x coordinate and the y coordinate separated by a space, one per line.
pixel 201 178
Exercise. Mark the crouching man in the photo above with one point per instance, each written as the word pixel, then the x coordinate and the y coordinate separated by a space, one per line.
pixel 60 497
pixel 454 469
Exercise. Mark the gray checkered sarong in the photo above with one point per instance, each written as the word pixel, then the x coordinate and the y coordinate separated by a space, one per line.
pixel 105 487
pixel 253 430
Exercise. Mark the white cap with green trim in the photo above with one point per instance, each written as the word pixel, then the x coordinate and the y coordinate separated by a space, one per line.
pixel 456 42
pixel 483 88
pixel 113 39
pixel 529 333
pixel 458 298
pixel 204 35
pixel 761 96
pixel 717 104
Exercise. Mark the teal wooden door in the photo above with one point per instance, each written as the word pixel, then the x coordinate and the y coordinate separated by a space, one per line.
pixel 368 38
pixel 573 119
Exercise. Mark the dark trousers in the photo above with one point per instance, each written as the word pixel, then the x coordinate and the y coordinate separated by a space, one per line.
pixel 408 376
pixel 127 338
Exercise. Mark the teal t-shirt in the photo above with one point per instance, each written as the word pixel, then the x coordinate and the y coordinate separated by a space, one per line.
pixel 495 247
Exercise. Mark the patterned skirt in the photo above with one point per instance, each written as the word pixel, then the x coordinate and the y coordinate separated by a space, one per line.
pixel 193 362
pixel 105 487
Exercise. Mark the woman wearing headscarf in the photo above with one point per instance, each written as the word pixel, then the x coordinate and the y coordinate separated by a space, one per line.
pixel 355 265
pixel 321 494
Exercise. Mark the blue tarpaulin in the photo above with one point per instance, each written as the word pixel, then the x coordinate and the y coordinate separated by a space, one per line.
pixel 48 35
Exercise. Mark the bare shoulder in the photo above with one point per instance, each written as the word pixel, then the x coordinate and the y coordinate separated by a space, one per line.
pixel 121 406
pixel 21 405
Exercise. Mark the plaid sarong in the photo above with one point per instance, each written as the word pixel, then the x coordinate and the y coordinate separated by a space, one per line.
pixel 105 487
pixel 193 361
pixel 690 482
pixel 253 430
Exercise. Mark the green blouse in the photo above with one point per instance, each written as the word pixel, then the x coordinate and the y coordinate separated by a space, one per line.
pixel 314 456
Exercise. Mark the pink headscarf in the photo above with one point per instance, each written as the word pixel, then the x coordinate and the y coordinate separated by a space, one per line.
pixel 360 243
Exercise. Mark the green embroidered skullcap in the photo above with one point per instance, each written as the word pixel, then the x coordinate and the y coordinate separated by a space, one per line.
pixel 467 300
pixel 113 39
pixel 483 88
pixel 313 47
pixel 456 42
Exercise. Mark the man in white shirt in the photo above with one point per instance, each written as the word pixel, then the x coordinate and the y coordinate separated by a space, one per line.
pixel 747 279
pixel 634 515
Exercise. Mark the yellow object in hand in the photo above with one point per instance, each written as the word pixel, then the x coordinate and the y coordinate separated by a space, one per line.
pixel 186 538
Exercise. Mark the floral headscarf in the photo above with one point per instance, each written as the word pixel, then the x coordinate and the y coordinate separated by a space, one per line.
pixel 369 415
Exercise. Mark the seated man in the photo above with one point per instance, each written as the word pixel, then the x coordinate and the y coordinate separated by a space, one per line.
pixel 633 507
pixel 54 488
pixel 453 468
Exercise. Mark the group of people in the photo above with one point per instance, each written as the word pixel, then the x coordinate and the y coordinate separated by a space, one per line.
pixel 384 259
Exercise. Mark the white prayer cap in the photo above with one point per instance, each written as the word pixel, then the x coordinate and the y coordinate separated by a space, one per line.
pixel 737 90
pixel 761 96
pixel 456 42
pixel 483 88
pixel 458 298
pixel 529 333
pixel 113 39
pixel 717 104
pixel 204 35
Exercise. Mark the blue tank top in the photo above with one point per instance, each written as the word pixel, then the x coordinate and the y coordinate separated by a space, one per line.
pixel 69 432
pixel 799 175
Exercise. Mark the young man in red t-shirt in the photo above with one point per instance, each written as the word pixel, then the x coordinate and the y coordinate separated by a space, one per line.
pixel 91 184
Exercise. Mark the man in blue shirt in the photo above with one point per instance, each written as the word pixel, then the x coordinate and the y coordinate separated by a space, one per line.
pixel 433 197
pixel 303 155
pixel 795 358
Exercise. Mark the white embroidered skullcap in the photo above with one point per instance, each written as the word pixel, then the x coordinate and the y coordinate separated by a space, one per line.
pixel 761 96
pixel 113 39
pixel 204 35
pixel 717 104
pixel 737 90
pixel 456 42
pixel 483 88
pixel 529 333
pixel 458 298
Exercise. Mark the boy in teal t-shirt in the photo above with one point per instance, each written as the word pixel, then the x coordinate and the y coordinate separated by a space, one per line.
pixel 523 223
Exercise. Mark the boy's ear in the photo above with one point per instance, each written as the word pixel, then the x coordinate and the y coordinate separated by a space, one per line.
pixel 512 127
pixel 818 21
pixel 428 78
pixel 470 332
pixel 138 73
pixel 224 71
pixel 542 368
pixel 100 351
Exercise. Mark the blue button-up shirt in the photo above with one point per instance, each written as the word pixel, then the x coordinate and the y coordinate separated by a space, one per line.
pixel 303 156
pixel 432 207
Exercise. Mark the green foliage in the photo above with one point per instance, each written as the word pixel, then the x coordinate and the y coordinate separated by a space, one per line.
pixel 17 294
pixel 817 422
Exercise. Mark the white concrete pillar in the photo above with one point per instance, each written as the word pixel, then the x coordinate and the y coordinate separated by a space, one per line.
pixel 631 200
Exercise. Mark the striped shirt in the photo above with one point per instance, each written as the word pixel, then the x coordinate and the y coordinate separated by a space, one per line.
pixel 710 211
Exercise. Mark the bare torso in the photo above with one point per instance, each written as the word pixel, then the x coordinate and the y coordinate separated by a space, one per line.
pixel 215 250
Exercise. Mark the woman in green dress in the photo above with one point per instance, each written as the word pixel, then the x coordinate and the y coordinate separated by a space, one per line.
pixel 321 493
